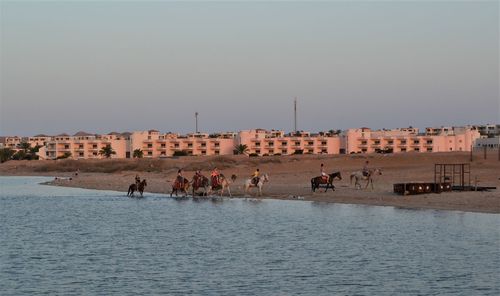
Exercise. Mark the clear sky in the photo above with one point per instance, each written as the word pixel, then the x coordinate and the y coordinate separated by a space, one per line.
pixel 105 66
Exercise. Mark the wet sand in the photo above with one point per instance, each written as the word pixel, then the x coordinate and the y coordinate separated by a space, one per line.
pixel 289 177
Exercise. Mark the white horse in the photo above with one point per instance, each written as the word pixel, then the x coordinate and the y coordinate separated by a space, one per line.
pixel 224 184
pixel 369 177
pixel 262 179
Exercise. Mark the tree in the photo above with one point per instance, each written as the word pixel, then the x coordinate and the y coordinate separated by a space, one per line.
pixel 138 153
pixel 25 146
pixel 241 149
pixel 6 154
pixel 107 151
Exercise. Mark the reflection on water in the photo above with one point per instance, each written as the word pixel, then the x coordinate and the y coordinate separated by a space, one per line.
pixel 72 241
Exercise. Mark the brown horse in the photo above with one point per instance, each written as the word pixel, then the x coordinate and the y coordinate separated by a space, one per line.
pixel 200 181
pixel 316 182
pixel 180 185
pixel 137 187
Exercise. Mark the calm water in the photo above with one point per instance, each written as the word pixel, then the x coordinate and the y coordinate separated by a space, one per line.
pixel 61 241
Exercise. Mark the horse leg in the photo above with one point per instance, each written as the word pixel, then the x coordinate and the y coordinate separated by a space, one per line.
pixel 229 191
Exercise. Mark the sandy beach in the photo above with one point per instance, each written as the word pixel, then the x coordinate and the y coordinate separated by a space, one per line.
pixel 289 177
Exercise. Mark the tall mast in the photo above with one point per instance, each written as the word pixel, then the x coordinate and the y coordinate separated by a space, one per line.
pixel 295 115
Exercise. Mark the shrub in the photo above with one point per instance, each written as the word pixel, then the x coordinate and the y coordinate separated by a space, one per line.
pixel 253 155
pixel 181 153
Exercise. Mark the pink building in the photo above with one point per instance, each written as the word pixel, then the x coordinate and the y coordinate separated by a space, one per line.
pixel 155 144
pixel 264 142
pixel 84 145
pixel 365 140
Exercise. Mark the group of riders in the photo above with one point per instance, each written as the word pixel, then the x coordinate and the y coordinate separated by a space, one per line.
pixel 215 177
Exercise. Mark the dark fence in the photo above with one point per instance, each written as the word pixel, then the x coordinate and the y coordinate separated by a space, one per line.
pixel 485 153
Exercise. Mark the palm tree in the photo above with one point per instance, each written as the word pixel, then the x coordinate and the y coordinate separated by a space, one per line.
pixel 138 153
pixel 107 151
pixel 241 149
pixel 25 146
pixel 6 154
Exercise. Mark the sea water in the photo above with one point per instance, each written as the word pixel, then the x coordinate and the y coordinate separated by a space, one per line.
pixel 66 241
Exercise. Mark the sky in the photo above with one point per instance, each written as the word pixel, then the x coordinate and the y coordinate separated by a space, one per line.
pixel 104 66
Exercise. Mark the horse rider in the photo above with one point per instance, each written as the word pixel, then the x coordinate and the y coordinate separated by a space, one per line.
pixel 215 177
pixel 255 177
pixel 137 180
pixel 180 178
pixel 323 174
pixel 366 169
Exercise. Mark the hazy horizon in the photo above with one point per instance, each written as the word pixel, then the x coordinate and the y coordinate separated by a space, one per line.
pixel 126 66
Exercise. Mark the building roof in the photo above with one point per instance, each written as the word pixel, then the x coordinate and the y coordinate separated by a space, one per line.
pixel 63 135
pixel 41 135
pixel 82 134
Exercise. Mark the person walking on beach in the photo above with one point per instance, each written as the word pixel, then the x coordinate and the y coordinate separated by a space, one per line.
pixel 255 177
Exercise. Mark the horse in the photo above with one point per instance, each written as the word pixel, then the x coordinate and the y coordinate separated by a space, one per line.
pixel 317 181
pixel 369 177
pixel 181 186
pixel 222 185
pixel 200 181
pixel 260 182
pixel 137 187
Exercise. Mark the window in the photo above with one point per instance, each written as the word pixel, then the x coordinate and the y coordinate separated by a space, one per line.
pixel 80 154
pixel 190 145
pixel 94 146
pixel 217 152
pixel 323 143
pixel 390 142
pixel 283 151
pixel 310 143
pixel 416 142
pixel 271 144
pixel 217 145
pixel 403 149
pixel 163 145
pixel 176 145
pixel 257 144
pixel 363 142
pixel 297 143
pixel 162 153
pixel 257 151
pixel 363 150
pixel 403 142
pixel 150 145
pixel 203 144
pixel 150 153
pixel 429 149
pixel 377 142
pixel 283 143
pixel 429 142
pixel 66 146
pixel 417 149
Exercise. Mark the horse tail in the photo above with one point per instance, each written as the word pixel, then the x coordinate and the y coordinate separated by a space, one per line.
pixel 312 185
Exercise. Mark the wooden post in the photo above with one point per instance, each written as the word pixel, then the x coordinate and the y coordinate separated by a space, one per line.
pixel 485 151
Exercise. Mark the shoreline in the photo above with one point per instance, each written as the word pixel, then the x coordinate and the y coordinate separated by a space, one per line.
pixel 289 177
pixel 412 202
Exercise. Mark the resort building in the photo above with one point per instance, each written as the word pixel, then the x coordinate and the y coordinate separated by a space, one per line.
pixel 264 142
pixel 365 140
pixel 260 142
pixel 155 144
pixel 83 145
